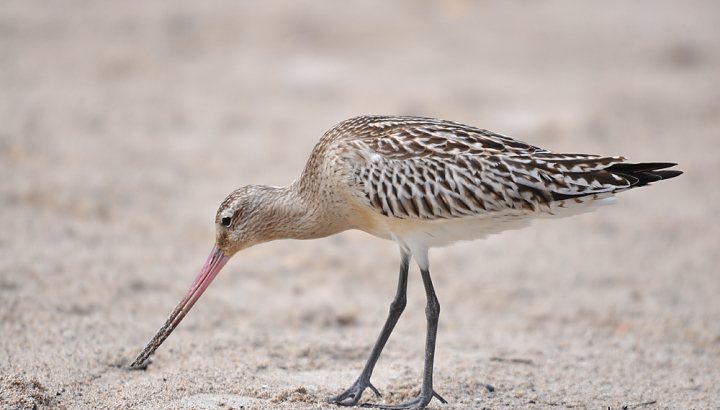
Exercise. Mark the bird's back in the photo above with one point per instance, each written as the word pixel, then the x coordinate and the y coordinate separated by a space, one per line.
pixel 448 181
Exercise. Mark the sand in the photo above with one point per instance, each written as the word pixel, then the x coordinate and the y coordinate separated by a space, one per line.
pixel 123 125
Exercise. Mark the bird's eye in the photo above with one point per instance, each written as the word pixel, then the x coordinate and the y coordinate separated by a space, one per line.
pixel 226 221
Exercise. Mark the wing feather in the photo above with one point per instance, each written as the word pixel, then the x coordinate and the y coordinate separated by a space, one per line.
pixel 427 169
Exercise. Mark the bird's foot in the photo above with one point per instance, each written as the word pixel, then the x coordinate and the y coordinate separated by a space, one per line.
pixel 351 396
pixel 418 404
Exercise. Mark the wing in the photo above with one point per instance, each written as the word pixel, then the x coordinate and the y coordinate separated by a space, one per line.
pixel 423 169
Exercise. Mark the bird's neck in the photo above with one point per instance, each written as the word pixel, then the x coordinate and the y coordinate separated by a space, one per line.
pixel 291 213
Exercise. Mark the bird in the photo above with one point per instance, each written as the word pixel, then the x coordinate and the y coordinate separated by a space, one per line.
pixel 422 183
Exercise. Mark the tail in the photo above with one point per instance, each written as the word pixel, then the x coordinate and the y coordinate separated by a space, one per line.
pixel 636 174
pixel 645 173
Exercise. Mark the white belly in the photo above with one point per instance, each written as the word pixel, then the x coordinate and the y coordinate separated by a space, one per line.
pixel 443 232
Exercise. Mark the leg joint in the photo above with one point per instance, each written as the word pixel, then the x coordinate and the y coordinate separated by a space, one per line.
pixel 398 305
pixel 432 310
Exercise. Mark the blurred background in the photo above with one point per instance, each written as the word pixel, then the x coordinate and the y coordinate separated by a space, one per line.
pixel 123 125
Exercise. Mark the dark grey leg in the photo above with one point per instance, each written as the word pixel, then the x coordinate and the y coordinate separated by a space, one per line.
pixel 432 311
pixel 351 396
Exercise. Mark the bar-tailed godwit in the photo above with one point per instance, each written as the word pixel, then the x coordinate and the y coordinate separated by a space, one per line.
pixel 422 183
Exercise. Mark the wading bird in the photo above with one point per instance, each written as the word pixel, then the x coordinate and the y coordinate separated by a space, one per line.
pixel 422 183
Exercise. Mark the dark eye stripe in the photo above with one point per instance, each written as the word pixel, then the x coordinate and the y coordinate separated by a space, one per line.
pixel 226 221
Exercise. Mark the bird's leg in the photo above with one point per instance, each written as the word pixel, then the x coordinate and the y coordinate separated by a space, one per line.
pixel 351 396
pixel 432 311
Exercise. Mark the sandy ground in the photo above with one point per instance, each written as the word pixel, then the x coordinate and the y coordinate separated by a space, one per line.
pixel 123 125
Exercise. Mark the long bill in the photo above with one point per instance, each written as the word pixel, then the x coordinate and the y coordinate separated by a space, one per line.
pixel 214 264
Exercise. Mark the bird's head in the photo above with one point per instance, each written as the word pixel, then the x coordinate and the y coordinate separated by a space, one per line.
pixel 243 219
